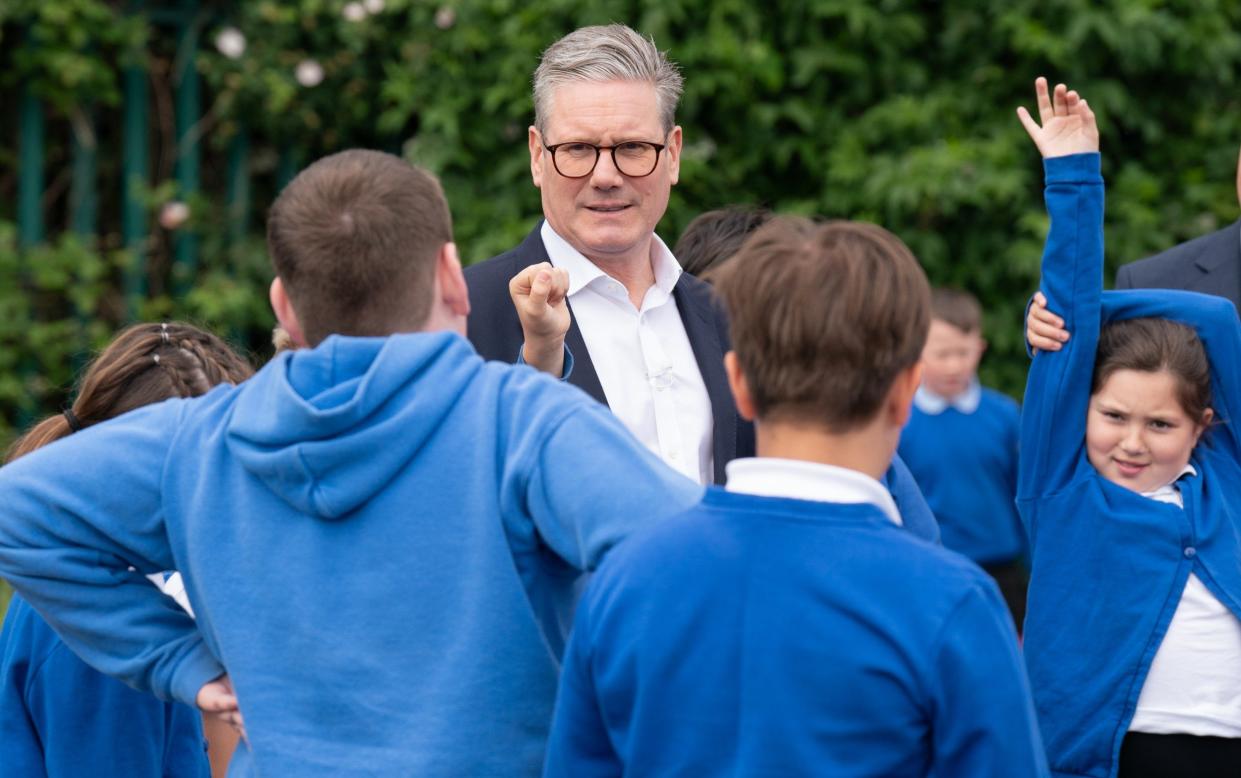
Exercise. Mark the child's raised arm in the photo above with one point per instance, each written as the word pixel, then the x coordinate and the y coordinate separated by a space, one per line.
pixel 1058 389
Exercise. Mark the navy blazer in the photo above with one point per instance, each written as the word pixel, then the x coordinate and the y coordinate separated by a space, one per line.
pixel 495 331
pixel 1210 264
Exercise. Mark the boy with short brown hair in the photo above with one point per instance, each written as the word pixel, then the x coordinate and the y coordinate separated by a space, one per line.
pixel 786 625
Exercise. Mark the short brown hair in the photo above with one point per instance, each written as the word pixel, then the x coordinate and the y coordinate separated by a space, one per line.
pixel 144 364
pixel 1151 345
pixel 824 317
pixel 354 238
pixel 956 307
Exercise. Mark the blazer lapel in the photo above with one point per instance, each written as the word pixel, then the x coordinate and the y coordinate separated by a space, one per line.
pixel 697 311
pixel 1220 263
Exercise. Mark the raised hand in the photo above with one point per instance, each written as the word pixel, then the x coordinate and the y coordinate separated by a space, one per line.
pixel 1068 124
pixel 539 294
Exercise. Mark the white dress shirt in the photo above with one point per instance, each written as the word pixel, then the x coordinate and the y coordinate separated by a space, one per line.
pixel 1194 683
pixel 802 480
pixel 642 356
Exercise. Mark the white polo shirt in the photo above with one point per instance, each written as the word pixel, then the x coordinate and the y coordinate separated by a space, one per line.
pixel 642 356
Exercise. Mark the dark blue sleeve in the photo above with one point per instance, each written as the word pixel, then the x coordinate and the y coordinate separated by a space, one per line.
pixel 1215 320
pixel 1053 416
pixel 915 513
pixel 21 753
pixel 983 720
pixel 87 722
pixel 579 745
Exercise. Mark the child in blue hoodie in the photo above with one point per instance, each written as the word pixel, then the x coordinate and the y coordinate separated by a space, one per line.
pixel 1131 490
pixel 787 625
pixel 58 716
pixel 432 514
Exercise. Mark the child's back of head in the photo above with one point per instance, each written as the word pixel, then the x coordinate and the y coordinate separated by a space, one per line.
pixel 824 317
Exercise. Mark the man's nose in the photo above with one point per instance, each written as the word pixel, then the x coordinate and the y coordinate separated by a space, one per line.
pixel 606 175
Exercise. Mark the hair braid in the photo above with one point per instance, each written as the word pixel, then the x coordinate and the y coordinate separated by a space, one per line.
pixel 144 364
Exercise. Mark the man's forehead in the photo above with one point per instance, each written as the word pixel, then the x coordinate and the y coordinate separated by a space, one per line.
pixel 593 109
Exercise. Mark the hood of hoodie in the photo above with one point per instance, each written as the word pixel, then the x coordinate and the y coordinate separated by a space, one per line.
pixel 328 428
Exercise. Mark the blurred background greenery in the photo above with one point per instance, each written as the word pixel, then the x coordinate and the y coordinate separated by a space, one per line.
pixel 140 143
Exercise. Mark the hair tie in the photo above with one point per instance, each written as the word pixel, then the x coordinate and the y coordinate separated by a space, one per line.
pixel 156 358
pixel 163 334
pixel 75 424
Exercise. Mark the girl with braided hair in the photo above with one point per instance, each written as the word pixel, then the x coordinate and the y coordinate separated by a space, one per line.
pixel 58 716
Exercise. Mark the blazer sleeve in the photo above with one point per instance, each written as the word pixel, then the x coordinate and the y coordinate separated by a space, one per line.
pixel 1053 418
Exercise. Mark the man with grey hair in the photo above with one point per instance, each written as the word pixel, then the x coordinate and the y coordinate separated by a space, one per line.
pixel 647 339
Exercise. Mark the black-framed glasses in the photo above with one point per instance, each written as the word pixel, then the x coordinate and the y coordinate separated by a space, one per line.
pixel 633 158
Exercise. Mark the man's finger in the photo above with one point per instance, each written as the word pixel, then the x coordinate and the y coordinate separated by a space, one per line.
pixel 540 289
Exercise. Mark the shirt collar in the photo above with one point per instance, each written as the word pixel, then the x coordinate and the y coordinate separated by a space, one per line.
pixel 933 404
pixel 1169 491
pixel 801 480
pixel 583 272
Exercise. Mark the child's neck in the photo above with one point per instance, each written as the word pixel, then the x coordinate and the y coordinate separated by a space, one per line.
pixel 867 449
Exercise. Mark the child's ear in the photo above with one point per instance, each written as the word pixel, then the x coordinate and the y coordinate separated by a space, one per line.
pixel 452 287
pixel 1207 416
pixel 901 395
pixel 741 389
pixel 282 306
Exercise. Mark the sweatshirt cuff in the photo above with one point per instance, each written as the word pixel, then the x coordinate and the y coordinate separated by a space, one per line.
pixel 195 670
pixel 1073 169
pixel 565 371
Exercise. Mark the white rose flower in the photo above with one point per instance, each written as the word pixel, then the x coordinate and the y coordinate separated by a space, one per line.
pixel 230 42
pixel 309 73
pixel 373 6
pixel 445 18
pixel 354 12
pixel 173 215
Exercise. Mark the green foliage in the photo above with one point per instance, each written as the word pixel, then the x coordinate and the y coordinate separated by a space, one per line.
pixel 895 111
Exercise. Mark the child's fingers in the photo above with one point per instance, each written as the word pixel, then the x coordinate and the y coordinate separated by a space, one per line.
pixel 1058 100
pixel 1044 99
pixel 1028 122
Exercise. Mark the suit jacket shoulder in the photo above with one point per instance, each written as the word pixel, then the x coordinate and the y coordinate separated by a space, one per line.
pixel 1209 264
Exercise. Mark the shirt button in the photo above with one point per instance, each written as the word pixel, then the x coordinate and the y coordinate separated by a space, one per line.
pixel 1190 552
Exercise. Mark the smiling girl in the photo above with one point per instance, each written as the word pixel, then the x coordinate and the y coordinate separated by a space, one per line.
pixel 1130 488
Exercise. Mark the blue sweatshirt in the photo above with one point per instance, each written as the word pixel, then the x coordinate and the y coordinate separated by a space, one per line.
pixel 1109 565
pixel 966 464
pixel 381 540
pixel 760 636
pixel 60 718
pixel 910 502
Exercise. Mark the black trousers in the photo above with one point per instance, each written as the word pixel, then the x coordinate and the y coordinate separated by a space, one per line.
pixel 1013 581
pixel 1179 756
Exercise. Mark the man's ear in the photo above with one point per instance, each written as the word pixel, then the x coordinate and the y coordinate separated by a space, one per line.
pixel 450 280
pixel 282 306
pixel 674 155
pixel 536 156
pixel 901 395
pixel 739 386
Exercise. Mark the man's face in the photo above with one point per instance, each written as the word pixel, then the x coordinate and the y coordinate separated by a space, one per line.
pixel 605 215
pixel 950 358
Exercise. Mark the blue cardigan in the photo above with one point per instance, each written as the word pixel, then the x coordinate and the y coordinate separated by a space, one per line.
pixel 759 636
pixel 60 717
pixel 1108 565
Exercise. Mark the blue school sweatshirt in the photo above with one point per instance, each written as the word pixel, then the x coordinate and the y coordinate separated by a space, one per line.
pixel 760 636
pixel 1109 565
pixel 916 515
pixel 59 718
pixel 381 539
pixel 966 465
